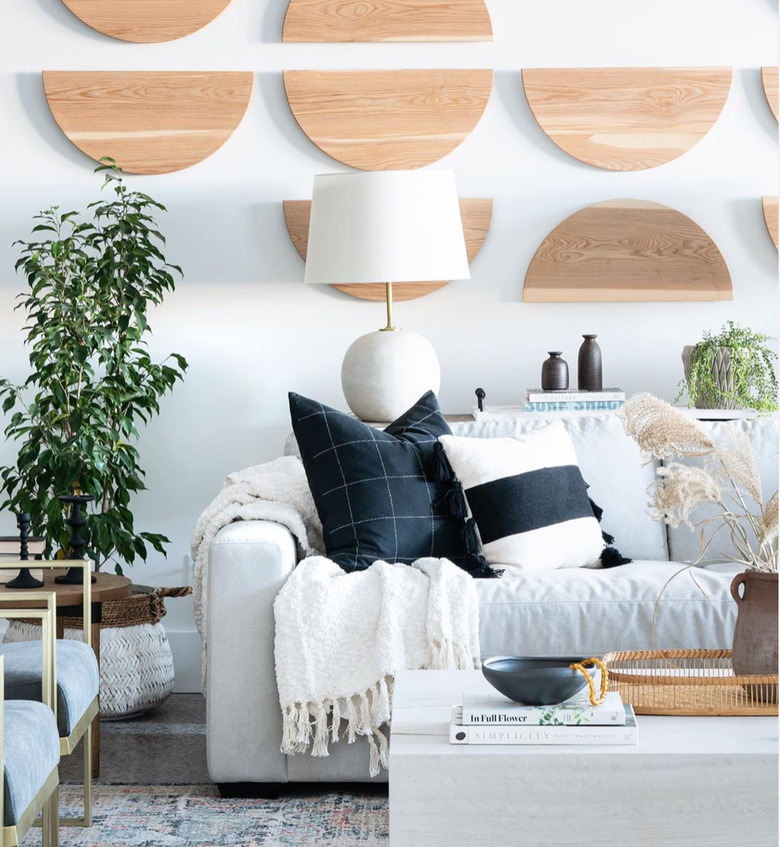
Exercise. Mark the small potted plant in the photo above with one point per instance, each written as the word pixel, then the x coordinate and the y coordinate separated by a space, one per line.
pixel 731 369
pixel 92 279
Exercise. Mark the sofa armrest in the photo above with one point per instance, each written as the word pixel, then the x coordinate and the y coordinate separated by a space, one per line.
pixel 249 562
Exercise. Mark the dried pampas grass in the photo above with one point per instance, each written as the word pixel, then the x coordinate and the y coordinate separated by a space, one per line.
pixel 727 478
pixel 660 430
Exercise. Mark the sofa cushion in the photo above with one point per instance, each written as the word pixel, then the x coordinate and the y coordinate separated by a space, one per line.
pixel 31 751
pixel 591 612
pixel 612 466
pixel 685 544
pixel 78 678
pixel 528 499
pixel 377 491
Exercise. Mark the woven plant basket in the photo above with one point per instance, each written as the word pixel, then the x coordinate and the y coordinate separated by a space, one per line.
pixel 136 665
pixel 721 376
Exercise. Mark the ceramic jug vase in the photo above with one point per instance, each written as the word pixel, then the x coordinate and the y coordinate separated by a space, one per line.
pixel 755 636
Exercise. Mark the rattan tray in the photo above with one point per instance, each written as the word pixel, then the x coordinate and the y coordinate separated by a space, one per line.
pixel 688 682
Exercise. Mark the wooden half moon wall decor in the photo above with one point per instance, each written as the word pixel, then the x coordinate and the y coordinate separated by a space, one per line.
pixel 475 212
pixel 146 20
pixel 626 119
pixel 627 250
pixel 769 205
pixel 387 20
pixel 769 80
pixel 387 120
pixel 149 122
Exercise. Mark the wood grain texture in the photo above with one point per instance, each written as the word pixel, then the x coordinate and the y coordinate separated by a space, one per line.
pixel 475 212
pixel 769 205
pixel 146 20
pixel 626 119
pixel 387 20
pixel 769 80
pixel 387 120
pixel 627 250
pixel 150 122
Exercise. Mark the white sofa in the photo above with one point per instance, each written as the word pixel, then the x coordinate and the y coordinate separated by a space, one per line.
pixel 577 611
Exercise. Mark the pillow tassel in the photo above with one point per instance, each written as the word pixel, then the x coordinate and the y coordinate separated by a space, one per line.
pixel 440 468
pixel 477 564
pixel 453 503
pixel 611 558
pixel 598 512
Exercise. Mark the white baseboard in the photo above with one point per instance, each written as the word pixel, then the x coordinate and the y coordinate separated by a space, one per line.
pixel 185 646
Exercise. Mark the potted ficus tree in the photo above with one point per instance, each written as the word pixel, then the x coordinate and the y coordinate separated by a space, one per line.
pixel 730 369
pixel 92 279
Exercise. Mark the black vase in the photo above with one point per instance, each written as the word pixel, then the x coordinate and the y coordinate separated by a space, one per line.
pixel 555 373
pixel 589 376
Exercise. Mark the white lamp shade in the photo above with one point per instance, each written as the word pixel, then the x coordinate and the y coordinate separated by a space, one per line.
pixel 387 226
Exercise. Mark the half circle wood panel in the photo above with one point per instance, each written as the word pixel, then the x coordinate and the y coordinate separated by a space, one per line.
pixel 626 119
pixel 145 21
pixel 627 250
pixel 335 21
pixel 769 205
pixel 770 83
pixel 475 212
pixel 149 122
pixel 388 120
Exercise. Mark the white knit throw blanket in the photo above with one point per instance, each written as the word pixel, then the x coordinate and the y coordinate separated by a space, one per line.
pixel 275 491
pixel 340 638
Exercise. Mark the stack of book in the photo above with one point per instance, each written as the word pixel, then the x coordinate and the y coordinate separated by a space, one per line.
pixel 567 403
pixel 486 719
pixel 558 404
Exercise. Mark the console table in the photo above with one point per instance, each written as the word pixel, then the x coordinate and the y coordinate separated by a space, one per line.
pixel 69 600
pixel 690 781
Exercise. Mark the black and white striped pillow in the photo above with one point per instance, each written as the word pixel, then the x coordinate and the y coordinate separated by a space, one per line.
pixel 528 499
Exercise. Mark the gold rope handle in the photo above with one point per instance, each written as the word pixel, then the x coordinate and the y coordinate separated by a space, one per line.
pixel 581 667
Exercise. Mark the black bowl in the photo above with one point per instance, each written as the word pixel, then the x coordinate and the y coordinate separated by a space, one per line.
pixel 535 681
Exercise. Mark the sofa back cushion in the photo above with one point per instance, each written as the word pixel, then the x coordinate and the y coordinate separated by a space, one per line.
pixel 684 544
pixel 611 465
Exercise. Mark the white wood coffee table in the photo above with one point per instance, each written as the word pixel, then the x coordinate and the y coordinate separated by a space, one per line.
pixel 690 781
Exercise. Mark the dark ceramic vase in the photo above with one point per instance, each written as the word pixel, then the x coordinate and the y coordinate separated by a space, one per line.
pixel 555 373
pixel 589 365
pixel 754 650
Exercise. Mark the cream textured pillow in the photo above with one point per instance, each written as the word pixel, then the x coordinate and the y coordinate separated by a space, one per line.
pixel 528 499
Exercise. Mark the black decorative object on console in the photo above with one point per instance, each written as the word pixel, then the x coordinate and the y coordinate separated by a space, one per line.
pixel 76 522
pixel 589 376
pixel 480 392
pixel 24 579
pixel 555 372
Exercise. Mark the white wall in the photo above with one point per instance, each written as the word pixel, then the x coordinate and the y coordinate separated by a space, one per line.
pixel 252 331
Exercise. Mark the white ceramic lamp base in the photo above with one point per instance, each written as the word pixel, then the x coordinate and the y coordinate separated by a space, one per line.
pixel 384 373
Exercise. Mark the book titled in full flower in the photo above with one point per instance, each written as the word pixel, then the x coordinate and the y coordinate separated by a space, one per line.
pixel 530 735
pixel 487 710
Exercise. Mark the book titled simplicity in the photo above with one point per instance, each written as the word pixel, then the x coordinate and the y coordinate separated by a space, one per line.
pixel 509 735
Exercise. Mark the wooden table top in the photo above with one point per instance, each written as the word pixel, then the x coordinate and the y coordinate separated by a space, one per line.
pixel 108 586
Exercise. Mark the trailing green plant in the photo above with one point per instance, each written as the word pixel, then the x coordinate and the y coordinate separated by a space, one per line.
pixel 751 370
pixel 91 281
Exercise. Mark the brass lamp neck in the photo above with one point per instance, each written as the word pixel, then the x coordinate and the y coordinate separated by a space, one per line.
pixel 389 301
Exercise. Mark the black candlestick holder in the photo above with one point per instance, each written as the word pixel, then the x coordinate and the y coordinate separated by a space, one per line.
pixel 24 579
pixel 77 544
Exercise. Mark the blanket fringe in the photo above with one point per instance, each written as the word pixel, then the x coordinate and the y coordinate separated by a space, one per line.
pixel 312 725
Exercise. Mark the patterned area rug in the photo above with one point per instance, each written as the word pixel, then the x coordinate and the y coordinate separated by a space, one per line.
pixel 195 816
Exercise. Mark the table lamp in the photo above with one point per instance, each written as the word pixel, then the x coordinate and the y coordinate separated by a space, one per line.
pixel 390 227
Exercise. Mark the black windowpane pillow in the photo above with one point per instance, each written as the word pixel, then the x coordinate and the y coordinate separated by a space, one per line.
pixel 377 492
